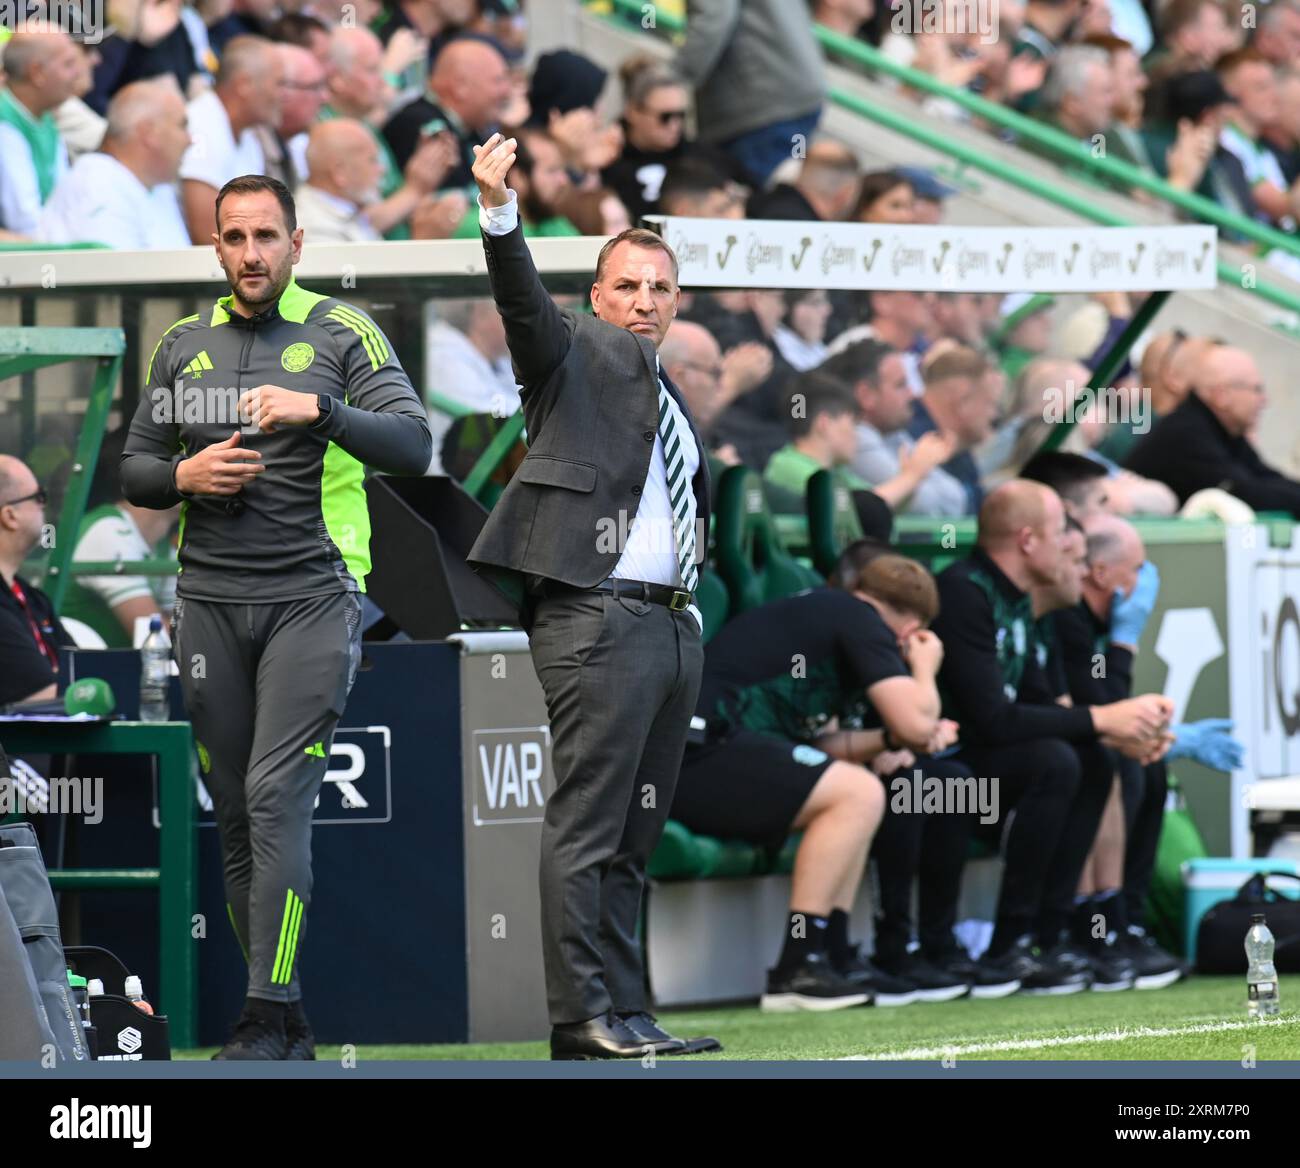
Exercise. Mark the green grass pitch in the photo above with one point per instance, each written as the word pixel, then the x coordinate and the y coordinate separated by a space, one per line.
pixel 1201 1018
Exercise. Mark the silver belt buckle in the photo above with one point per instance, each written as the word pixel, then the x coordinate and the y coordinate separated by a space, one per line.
pixel 680 601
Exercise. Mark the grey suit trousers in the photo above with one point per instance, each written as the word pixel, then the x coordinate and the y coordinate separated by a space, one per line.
pixel 620 678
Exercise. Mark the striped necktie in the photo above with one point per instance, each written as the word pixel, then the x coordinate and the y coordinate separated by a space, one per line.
pixel 679 491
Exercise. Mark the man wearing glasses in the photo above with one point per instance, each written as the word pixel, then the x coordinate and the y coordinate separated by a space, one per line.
pixel 1207 441
pixel 30 633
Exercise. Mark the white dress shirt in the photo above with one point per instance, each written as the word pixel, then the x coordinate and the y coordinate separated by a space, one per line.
pixel 649 546
pixel 101 201
pixel 215 157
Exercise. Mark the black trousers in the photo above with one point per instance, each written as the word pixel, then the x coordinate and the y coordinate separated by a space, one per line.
pixel 1058 791
pixel 1144 790
pixel 928 849
pixel 620 678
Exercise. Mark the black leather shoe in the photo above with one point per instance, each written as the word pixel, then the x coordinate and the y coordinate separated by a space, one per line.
pixel 601 1037
pixel 649 1031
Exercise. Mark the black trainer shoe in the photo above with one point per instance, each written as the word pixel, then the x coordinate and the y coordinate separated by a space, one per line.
pixel 297 1032
pixel 1154 967
pixel 1112 968
pixel 1063 969
pixel 987 978
pixel 813 984
pixel 885 989
pixel 257 1036
pixel 932 983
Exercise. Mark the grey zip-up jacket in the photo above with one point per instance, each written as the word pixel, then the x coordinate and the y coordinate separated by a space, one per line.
pixel 753 63
pixel 302 527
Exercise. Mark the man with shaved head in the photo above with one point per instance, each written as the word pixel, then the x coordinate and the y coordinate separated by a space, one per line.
pixel 1206 441
pixel 469 87
pixel 43 68
pixel 124 195
pixel 30 633
pixel 341 202
pixel 222 123
pixel 1048 758
pixel 345 170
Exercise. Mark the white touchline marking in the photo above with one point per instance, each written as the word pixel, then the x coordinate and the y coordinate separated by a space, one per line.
pixel 1120 1034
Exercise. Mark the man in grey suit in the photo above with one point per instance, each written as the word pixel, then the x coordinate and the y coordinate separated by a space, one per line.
pixel 602 528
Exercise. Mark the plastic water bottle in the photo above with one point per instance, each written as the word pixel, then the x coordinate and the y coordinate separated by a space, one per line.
pixel 1261 976
pixel 135 994
pixel 155 670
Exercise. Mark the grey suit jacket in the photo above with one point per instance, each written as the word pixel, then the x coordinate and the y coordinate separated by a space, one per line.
pixel 591 405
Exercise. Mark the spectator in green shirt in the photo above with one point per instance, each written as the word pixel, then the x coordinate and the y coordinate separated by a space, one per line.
pixel 823 436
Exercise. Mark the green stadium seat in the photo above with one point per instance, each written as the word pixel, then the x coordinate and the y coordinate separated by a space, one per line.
pixel 832 520
pixel 683 855
pixel 714 603
pixel 751 559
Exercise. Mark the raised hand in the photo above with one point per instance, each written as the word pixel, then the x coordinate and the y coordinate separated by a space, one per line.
pixel 492 162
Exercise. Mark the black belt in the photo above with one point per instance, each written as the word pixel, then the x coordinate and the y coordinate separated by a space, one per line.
pixel 677 599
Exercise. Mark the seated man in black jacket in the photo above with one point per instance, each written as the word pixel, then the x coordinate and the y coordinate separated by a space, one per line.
pixel 1047 757
pixel 1205 442
pixel 1098 640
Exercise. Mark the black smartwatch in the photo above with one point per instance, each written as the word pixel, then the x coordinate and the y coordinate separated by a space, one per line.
pixel 325 404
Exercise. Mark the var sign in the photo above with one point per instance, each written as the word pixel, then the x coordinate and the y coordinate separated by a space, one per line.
pixel 512 774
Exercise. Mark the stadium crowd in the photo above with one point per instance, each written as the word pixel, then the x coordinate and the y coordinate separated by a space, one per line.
pixel 930 404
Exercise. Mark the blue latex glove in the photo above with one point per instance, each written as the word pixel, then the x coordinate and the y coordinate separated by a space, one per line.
pixel 1209 742
pixel 1129 614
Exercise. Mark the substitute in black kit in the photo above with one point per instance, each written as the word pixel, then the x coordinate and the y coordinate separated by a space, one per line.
pixel 600 525
pixel 274 552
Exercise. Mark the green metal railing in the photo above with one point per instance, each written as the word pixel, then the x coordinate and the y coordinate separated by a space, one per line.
pixel 1027 130
pixel 23 350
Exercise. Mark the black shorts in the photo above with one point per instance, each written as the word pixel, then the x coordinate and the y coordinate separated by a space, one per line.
pixel 748 787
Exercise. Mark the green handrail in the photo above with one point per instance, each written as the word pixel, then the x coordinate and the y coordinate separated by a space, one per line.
pixel 23 350
pixel 1041 135
pixel 1058 142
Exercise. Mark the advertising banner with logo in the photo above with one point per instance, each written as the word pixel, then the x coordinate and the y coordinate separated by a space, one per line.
pixel 729 253
pixel 1264 608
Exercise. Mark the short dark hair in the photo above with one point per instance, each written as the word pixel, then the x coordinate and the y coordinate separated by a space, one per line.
pixel 250 184
pixel 296 28
pixel 638 237
pixel 1067 474
pixel 822 396
pixel 690 178
pixel 859 361
pixel 848 568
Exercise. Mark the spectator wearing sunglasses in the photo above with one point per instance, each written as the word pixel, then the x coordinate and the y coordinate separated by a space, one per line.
pixel 655 100
pixel 30 633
